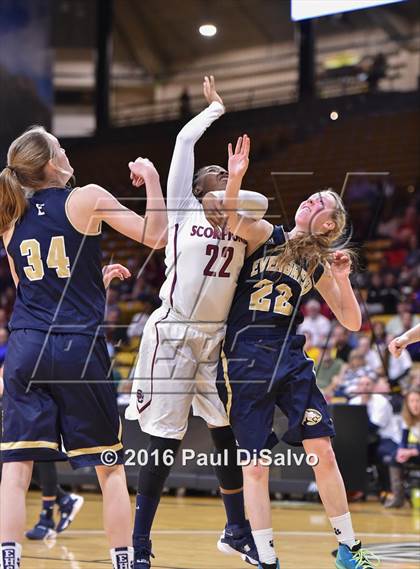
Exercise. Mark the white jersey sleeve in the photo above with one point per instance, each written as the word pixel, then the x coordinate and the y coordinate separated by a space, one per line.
pixel 181 172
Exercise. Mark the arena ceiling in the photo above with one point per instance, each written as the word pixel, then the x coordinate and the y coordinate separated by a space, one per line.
pixel 162 35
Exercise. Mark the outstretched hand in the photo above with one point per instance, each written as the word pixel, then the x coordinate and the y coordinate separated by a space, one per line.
pixel 397 345
pixel 340 265
pixel 239 161
pixel 209 90
pixel 110 272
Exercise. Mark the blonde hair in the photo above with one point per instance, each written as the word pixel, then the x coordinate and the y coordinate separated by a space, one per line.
pixel 26 159
pixel 409 419
pixel 310 250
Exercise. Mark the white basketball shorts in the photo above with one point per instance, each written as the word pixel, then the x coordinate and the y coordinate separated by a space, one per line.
pixel 176 369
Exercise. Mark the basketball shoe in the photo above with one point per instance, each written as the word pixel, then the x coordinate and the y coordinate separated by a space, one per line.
pixel 142 553
pixel 236 539
pixel 275 565
pixel 355 558
pixel 69 506
pixel 43 529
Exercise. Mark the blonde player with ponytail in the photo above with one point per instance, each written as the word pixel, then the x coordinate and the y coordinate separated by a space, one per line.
pixel 57 386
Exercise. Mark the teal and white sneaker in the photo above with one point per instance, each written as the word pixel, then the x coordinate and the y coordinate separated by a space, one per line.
pixel 355 558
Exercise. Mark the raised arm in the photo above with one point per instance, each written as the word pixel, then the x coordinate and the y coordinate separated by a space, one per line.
pixel 181 172
pixel 254 231
pixel 335 288
pixel 88 206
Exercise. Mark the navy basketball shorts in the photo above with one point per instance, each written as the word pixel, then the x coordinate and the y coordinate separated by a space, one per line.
pixel 258 371
pixel 59 401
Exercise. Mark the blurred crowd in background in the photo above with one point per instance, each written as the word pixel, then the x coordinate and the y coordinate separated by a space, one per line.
pixel 354 368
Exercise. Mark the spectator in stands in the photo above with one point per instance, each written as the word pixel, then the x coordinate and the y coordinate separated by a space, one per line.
pixel 112 300
pixel 115 332
pixel 408 227
pixel 7 299
pixel 376 72
pixel 374 299
pixel 4 337
pixel 314 322
pixel 413 256
pixel 340 341
pixel 379 336
pixel 185 111
pixel 414 285
pixel 413 379
pixel 3 318
pixel 382 386
pixel 370 352
pixel 390 294
pixel 408 452
pixel 328 368
pixel 346 383
pixel 395 326
pixel 384 427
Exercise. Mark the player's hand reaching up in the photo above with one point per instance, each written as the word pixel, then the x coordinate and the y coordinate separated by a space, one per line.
pixel 398 345
pixel 141 170
pixel 116 271
pixel 209 90
pixel 239 160
pixel 340 265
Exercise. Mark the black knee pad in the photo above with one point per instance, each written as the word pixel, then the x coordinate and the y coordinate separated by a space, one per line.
pixel 45 474
pixel 229 474
pixel 152 476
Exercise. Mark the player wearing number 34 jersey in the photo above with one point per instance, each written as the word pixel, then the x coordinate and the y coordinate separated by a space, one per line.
pixel 59 401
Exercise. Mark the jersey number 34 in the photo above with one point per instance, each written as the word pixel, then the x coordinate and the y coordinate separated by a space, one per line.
pixel 56 258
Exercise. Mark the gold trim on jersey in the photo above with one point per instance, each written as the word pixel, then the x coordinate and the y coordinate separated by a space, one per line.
pixel 93 234
pixel 120 431
pixel 227 383
pixel 93 450
pixel 19 445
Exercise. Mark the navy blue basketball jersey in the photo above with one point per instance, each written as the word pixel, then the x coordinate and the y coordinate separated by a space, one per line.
pixel 59 269
pixel 265 295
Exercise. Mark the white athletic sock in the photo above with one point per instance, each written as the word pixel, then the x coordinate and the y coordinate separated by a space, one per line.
pixel 264 541
pixel 11 552
pixel 343 529
pixel 122 557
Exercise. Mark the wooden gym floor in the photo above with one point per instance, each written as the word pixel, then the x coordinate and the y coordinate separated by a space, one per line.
pixel 187 529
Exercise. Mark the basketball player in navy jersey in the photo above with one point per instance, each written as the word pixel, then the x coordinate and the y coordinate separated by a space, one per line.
pixel 45 473
pixel 263 362
pixel 57 387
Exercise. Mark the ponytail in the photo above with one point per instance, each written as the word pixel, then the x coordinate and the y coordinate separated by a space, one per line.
pixel 26 158
pixel 13 202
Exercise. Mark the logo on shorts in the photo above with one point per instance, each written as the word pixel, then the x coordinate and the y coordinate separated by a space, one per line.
pixel 140 396
pixel 312 417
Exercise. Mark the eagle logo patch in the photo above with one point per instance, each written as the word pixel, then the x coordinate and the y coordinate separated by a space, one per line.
pixel 312 417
